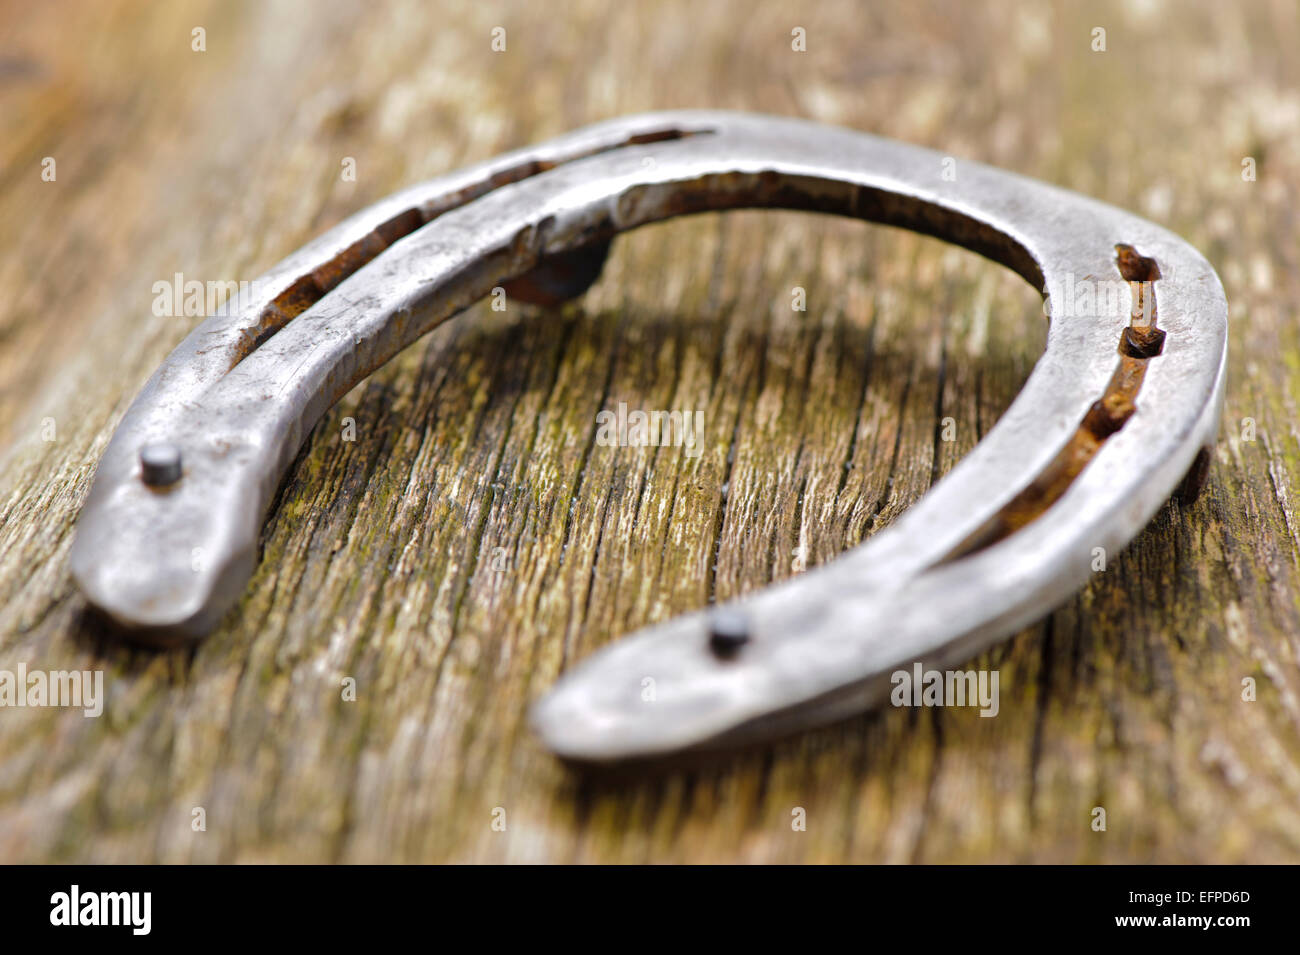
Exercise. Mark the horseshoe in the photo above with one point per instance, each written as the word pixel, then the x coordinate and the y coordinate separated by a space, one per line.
pixel 1123 405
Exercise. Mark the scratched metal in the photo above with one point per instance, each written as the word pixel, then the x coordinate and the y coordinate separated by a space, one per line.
pixel 239 396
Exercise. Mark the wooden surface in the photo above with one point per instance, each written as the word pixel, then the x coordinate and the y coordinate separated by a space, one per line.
pixel 474 541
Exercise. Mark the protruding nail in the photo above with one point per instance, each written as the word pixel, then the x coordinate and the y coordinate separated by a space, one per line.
pixel 160 464
pixel 1142 342
pixel 1134 266
pixel 728 632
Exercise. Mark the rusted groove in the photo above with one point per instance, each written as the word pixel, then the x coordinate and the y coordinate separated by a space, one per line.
pixel 1108 415
pixel 1140 341
pixel 767 190
pixel 306 291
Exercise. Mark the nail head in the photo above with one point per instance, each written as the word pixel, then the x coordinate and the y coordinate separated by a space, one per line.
pixel 728 632
pixel 160 464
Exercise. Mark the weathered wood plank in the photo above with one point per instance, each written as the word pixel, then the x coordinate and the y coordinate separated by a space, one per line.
pixel 475 540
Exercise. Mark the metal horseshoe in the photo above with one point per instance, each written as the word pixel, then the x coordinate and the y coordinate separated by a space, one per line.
pixel 1118 410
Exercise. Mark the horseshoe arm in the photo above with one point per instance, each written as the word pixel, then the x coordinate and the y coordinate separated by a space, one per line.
pixel 1098 438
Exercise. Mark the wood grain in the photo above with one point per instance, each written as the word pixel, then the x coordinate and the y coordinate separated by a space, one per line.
pixel 474 540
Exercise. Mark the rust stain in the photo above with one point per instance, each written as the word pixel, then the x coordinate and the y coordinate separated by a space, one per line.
pixel 309 289
pixel 1140 341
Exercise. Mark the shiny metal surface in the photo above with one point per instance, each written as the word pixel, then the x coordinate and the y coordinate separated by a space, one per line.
pixel 1104 430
